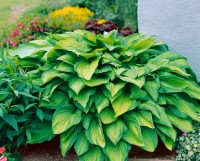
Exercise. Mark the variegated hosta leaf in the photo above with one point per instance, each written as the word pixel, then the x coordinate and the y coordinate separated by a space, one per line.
pixel 152 87
pixel 115 130
pixel 86 120
pixel 95 81
pixel 68 138
pixel 68 58
pixel 117 152
pixel 86 69
pixel 145 118
pixel 84 96
pixel 94 154
pixel 64 118
pixel 114 88
pixel 184 107
pixel 143 45
pixel 123 104
pixel 82 145
pixel 72 45
pixel 49 75
pixel 168 131
pixel 76 84
pixel 101 101
pixel 169 143
pixel 95 134
pixel 180 123
pixel 138 94
pixel 107 115
pixel 150 139
pixel 133 133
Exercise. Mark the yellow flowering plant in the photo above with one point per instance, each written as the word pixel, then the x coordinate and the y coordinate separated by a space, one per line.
pixel 69 18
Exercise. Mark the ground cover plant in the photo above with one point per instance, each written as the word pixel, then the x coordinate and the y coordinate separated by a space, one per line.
pixel 20 118
pixel 111 92
pixel 188 147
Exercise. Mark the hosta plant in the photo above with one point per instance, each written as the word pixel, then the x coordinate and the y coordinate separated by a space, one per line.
pixel 111 92
pixel 21 120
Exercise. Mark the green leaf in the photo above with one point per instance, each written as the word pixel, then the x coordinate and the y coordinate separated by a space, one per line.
pixel 64 67
pixel 94 154
pixel 118 152
pixel 95 134
pixel 133 133
pixel 143 44
pixel 10 119
pixel 150 139
pixel 87 118
pixel 107 115
pixel 115 130
pixel 170 55
pixel 40 114
pixel 145 118
pixel 68 58
pixel 169 143
pixel 49 75
pixel 23 50
pixel 114 88
pixel 76 84
pixel 151 106
pixel 85 69
pixel 168 131
pixel 138 94
pixel 156 63
pixel 82 145
pixel 64 118
pixel 140 81
pixel 175 69
pixel 68 138
pixel 95 81
pixel 152 87
pixel 84 96
pixel 182 124
pixel 40 131
pixel 193 90
pixel 184 107
pixel 171 83
pixel 122 104
pixel 70 44
pixel 57 99
pixel 101 101
pixel 157 111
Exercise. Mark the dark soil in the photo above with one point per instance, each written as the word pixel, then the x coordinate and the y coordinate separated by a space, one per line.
pixel 50 151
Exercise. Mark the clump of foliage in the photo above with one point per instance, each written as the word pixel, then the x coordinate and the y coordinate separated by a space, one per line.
pixel 99 26
pixel 111 92
pixel 59 21
pixel 7 156
pixel 188 147
pixel 122 13
pixel 21 120
pixel 69 18
pixel 26 32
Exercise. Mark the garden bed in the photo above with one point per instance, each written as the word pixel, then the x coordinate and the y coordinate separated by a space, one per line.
pixel 50 151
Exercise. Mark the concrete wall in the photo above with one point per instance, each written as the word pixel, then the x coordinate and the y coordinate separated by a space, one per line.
pixel 177 22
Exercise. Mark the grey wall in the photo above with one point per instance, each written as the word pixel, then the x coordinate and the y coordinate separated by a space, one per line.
pixel 177 22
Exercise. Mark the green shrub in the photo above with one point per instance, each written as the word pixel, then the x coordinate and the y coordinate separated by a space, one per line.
pixel 188 147
pixel 122 13
pixel 21 120
pixel 111 92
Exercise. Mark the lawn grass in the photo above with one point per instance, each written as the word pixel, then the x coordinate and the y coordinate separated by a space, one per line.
pixel 12 9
